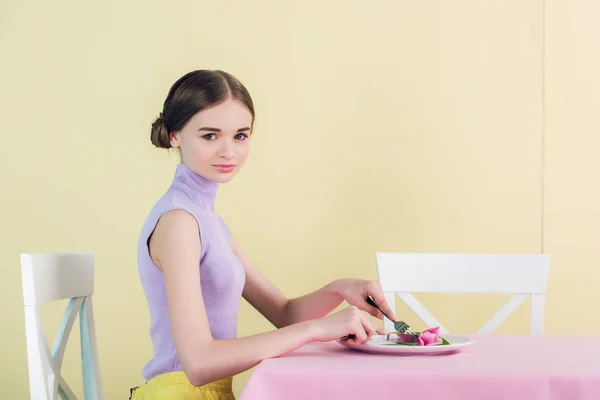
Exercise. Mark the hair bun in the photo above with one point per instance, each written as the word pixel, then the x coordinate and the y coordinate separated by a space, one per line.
pixel 159 134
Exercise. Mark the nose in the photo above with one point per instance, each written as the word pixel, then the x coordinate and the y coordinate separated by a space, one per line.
pixel 227 150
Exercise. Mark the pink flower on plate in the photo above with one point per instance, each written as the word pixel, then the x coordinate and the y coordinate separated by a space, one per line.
pixel 429 337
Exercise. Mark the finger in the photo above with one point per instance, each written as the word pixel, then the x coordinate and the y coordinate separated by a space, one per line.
pixel 369 330
pixel 371 310
pixel 381 331
pixel 360 333
pixel 369 327
pixel 376 292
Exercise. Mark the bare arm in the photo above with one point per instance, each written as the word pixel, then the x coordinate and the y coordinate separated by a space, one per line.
pixel 278 309
pixel 175 247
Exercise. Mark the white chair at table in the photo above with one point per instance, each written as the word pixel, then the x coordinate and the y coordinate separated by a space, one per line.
pixel 53 277
pixel 523 275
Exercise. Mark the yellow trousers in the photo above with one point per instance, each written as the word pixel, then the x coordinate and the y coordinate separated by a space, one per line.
pixel 175 386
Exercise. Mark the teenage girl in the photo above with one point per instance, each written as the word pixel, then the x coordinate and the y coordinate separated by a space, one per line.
pixel 194 273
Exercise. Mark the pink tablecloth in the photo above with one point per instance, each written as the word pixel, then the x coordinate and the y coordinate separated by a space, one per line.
pixel 494 367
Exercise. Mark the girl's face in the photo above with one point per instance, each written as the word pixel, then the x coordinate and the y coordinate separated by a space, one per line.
pixel 216 141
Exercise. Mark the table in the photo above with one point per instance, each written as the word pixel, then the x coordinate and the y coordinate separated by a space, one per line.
pixel 494 367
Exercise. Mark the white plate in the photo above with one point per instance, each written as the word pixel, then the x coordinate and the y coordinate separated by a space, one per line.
pixel 379 345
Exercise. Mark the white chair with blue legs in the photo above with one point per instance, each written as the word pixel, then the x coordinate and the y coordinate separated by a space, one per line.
pixel 524 275
pixel 53 277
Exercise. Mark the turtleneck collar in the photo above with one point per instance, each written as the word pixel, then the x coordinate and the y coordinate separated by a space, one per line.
pixel 202 190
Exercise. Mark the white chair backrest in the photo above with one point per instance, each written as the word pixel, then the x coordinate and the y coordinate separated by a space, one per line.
pixel 51 277
pixel 523 275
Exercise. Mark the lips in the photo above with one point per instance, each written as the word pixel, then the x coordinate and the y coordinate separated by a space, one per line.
pixel 224 167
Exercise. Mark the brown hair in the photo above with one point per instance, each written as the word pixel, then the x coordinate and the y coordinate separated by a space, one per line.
pixel 192 93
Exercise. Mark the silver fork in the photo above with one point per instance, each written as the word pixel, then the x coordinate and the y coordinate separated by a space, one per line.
pixel 400 326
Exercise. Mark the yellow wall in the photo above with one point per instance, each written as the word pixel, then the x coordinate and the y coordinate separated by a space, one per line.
pixel 571 166
pixel 382 126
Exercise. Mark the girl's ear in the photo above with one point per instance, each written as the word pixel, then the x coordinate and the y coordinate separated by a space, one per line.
pixel 174 139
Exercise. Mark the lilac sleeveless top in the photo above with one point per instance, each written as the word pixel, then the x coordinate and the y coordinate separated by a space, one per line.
pixel 222 275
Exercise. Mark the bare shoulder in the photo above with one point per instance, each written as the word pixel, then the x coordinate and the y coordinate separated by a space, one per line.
pixel 176 236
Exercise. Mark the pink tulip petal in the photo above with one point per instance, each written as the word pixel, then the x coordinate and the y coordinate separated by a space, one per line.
pixel 429 337
pixel 434 330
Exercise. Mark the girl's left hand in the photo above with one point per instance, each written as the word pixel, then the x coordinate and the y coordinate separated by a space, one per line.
pixel 355 292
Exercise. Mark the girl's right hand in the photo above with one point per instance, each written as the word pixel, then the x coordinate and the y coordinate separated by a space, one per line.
pixel 350 321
